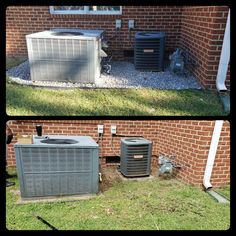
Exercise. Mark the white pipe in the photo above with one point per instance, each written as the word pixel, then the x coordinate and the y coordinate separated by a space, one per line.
pixel 100 177
pixel 224 59
pixel 212 153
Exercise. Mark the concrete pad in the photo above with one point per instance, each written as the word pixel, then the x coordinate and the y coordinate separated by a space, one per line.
pixel 21 201
pixel 141 178
pixel 218 197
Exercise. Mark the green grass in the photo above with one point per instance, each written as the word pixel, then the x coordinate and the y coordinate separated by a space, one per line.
pixel 25 100
pixel 146 205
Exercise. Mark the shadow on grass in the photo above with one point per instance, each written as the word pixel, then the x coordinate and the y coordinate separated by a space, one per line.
pixel 111 102
pixel 159 102
pixel 22 100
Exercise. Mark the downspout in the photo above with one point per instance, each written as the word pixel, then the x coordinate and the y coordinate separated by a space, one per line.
pixel 224 59
pixel 212 154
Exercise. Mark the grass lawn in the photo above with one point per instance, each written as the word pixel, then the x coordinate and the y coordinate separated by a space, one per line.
pixel 155 204
pixel 24 100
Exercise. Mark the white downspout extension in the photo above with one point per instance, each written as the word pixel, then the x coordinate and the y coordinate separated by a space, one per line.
pixel 212 153
pixel 224 59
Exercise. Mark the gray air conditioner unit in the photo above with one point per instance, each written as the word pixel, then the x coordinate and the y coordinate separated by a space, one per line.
pixel 57 165
pixel 135 157
pixel 149 49
pixel 69 55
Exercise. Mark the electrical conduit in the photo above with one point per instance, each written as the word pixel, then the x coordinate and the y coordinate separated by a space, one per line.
pixel 212 154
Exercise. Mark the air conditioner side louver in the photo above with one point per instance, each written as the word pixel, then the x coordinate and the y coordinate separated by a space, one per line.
pixel 57 169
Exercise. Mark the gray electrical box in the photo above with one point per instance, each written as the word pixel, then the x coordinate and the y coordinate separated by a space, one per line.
pixel 131 24
pixel 118 23
pixel 135 158
pixel 57 165
pixel 177 61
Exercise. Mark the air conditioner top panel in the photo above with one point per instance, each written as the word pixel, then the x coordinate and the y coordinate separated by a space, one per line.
pixel 63 33
pixel 61 141
pixel 149 35
pixel 135 141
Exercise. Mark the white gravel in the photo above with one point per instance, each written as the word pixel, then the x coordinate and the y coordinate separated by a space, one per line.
pixel 123 75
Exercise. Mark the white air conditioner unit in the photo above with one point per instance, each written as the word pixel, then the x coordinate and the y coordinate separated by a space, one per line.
pixel 69 55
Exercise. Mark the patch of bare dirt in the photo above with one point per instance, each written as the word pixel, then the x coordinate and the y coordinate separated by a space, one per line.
pixel 110 176
pixel 154 171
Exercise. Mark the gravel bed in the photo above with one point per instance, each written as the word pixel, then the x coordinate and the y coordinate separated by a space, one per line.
pixel 123 75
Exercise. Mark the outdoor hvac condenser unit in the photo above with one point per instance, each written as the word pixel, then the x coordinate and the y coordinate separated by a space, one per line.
pixel 149 51
pixel 57 165
pixel 70 55
pixel 135 157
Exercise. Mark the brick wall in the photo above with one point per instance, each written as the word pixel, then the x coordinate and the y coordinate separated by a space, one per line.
pixel 189 140
pixel 202 34
pixel 38 18
pixel 197 29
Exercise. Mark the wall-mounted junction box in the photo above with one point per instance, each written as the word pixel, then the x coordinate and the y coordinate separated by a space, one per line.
pixel 131 24
pixel 113 129
pixel 100 129
pixel 118 23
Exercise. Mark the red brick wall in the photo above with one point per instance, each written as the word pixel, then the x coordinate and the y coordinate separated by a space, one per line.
pixel 189 140
pixel 197 29
pixel 202 34
pixel 38 18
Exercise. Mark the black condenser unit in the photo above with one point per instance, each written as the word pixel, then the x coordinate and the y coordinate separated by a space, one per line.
pixel 149 51
pixel 135 158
